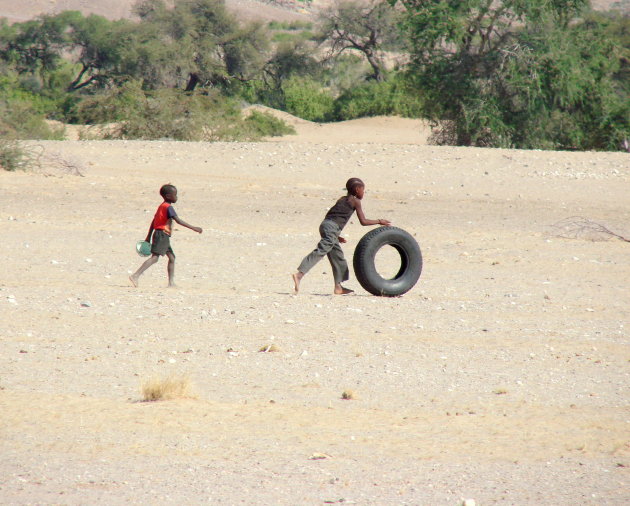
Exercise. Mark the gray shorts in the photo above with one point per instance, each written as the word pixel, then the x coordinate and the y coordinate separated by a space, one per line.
pixel 161 243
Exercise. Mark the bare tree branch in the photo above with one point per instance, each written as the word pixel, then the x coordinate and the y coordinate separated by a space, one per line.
pixel 578 227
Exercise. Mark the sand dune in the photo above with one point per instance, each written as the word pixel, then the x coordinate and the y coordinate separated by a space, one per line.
pixel 381 129
pixel 385 130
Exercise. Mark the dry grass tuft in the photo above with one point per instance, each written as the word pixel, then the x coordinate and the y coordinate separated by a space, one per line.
pixel 16 155
pixel 169 388
pixel 268 348
pixel 348 395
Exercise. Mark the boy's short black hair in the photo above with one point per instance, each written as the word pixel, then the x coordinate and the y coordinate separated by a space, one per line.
pixel 166 189
pixel 352 183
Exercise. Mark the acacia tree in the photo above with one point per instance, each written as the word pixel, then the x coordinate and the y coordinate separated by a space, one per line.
pixel 88 48
pixel 291 58
pixel 209 47
pixel 35 46
pixel 516 73
pixel 99 46
pixel 368 28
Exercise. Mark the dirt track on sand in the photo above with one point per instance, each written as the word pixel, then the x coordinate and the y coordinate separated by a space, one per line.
pixel 501 377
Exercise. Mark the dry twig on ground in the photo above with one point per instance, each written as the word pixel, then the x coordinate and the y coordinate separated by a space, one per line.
pixel 18 155
pixel 67 165
pixel 578 227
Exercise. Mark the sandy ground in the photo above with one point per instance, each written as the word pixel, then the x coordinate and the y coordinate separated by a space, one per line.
pixel 501 377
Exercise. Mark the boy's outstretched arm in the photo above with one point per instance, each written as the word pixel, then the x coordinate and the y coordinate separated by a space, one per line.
pixel 181 222
pixel 365 221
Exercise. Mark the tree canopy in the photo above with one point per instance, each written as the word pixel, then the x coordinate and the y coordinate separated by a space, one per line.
pixel 368 28
pixel 200 42
pixel 516 73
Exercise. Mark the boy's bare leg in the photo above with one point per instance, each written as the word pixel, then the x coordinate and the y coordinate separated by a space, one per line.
pixel 340 290
pixel 147 263
pixel 297 277
pixel 170 268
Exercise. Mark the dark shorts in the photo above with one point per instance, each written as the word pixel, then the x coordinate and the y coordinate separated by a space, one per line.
pixel 161 243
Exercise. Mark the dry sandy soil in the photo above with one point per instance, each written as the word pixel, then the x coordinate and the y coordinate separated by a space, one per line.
pixel 501 377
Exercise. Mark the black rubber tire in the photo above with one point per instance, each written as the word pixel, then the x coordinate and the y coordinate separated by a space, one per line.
pixel 410 261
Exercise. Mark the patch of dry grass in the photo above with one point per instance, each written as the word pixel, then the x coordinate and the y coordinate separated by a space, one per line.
pixel 168 388
pixel 348 395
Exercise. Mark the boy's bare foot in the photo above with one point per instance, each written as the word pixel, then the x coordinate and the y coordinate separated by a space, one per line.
pixel 134 280
pixel 297 277
pixel 343 291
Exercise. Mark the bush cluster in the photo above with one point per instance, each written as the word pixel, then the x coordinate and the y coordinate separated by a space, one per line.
pixel 392 97
pixel 174 114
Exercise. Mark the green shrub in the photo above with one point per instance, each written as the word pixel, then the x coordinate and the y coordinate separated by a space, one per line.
pixel 392 97
pixel 283 31
pixel 250 92
pixel 19 119
pixel 293 36
pixel 22 88
pixel 267 125
pixel 14 156
pixel 308 100
pixel 290 25
pixel 49 100
pixel 114 105
pixel 22 110
pixel 345 72
pixel 175 114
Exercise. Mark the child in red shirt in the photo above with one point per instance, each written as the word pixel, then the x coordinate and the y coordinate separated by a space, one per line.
pixel 160 235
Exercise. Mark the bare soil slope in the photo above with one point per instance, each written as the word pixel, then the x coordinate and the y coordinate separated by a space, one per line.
pixel 283 10
pixel 501 377
pixel 23 10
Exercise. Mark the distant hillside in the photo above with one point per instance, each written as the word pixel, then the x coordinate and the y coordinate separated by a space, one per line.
pixel 22 10
pixel 278 10
pixel 605 5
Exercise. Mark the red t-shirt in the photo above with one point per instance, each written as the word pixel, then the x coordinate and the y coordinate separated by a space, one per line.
pixel 164 217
